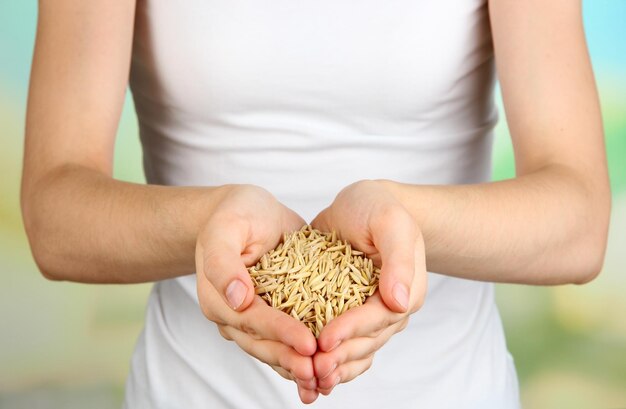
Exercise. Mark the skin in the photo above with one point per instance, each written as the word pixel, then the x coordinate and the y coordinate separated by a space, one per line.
pixel 546 226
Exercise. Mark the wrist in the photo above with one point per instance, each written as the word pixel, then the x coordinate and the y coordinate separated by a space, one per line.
pixel 413 198
pixel 398 190
pixel 200 211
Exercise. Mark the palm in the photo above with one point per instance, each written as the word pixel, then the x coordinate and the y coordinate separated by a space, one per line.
pixel 374 222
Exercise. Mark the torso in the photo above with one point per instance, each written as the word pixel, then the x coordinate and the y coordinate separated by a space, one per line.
pixel 304 98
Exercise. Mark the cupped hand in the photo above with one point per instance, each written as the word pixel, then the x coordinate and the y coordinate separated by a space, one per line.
pixel 374 221
pixel 246 223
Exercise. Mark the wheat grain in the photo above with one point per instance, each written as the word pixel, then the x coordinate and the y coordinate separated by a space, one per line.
pixel 314 277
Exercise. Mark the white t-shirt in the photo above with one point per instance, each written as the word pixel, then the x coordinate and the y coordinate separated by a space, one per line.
pixel 304 97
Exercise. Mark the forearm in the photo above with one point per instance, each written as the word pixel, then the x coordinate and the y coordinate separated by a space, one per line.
pixel 85 226
pixel 546 227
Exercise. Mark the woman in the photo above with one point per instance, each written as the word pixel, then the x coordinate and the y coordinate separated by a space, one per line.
pixel 374 119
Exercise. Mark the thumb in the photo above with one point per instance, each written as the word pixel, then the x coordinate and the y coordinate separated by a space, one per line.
pixel 321 221
pixel 394 236
pixel 224 267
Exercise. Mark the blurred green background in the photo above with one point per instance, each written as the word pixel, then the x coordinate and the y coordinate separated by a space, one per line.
pixel 65 345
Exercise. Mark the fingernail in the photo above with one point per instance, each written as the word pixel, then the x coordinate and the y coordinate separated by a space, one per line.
pixel 236 293
pixel 335 345
pixel 401 294
pixel 331 371
pixel 310 384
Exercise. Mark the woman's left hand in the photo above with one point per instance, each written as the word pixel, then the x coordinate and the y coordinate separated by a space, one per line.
pixel 374 221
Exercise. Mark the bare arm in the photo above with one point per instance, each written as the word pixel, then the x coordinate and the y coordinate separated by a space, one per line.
pixel 82 224
pixel 549 224
pixel 85 226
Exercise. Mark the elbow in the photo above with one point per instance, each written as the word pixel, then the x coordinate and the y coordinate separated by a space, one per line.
pixel 590 265
pixel 46 267
pixel 45 256
pixel 588 249
pixel 44 259
pixel 50 225
pixel 42 249
pixel 591 250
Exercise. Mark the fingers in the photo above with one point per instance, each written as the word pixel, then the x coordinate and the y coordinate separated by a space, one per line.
pixel 344 373
pixel 221 261
pixel 321 221
pixel 273 353
pixel 237 236
pixel 307 396
pixel 209 300
pixel 307 390
pixel 367 320
pixel 310 384
pixel 353 350
pixel 271 324
pixel 304 387
pixel 283 372
pixel 292 221
pixel 259 320
pixel 284 360
pixel 394 235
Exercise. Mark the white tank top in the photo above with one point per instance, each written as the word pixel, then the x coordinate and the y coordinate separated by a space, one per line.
pixel 303 97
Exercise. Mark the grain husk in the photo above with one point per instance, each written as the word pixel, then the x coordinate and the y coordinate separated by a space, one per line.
pixel 314 277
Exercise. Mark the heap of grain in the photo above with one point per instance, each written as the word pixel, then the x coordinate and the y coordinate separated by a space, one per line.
pixel 314 277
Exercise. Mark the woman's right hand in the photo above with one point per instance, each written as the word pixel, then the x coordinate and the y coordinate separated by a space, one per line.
pixel 246 223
